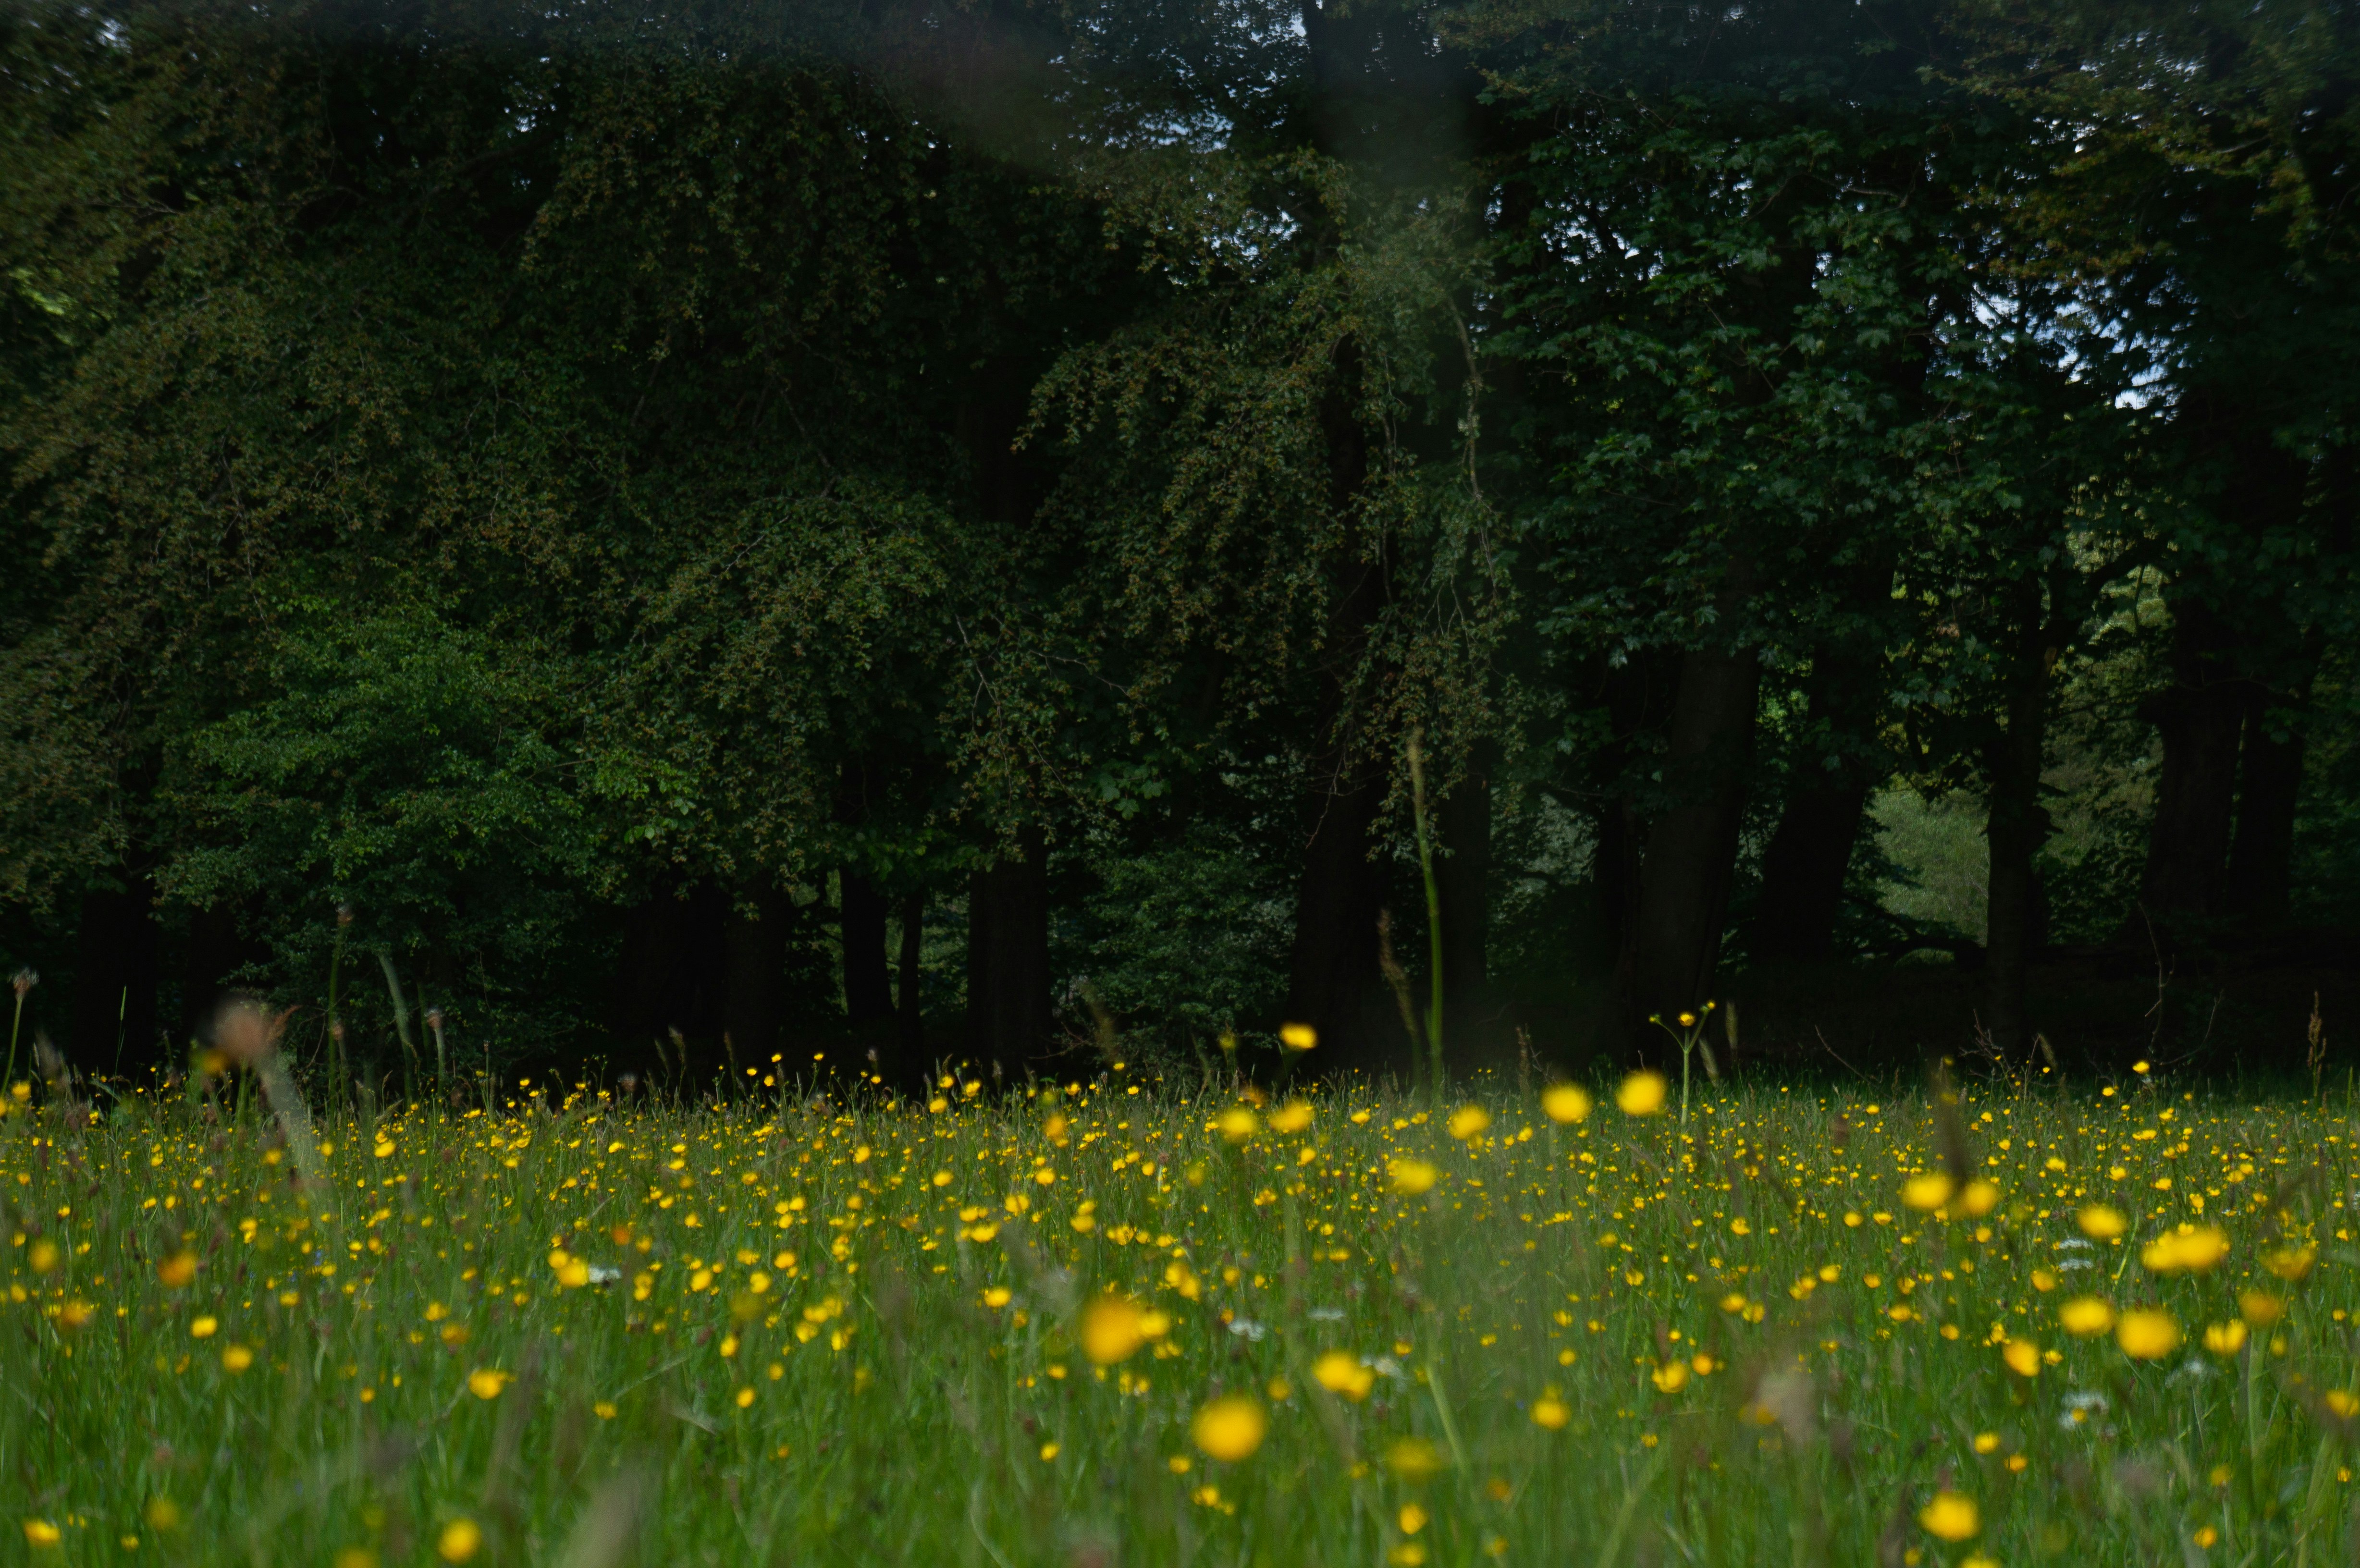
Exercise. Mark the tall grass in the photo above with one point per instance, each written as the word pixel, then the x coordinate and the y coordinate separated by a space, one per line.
pixel 782 1329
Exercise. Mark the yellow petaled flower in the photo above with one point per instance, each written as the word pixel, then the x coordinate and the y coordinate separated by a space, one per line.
pixel 1230 1428
pixel 460 1540
pixel 1566 1103
pixel 1469 1120
pixel 1414 1460
pixel 2260 1308
pixel 1412 1177
pixel 177 1271
pixel 2196 1250
pixel 162 1513
pixel 2087 1316
pixel 1951 1516
pixel 40 1532
pixel 486 1383
pixel 2102 1222
pixel 42 1255
pixel 237 1357
pixel 2147 1335
pixel 994 1296
pixel 1928 1191
pixel 1549 1413
pixel 2344 1402
pixel 1671 1376
pixel 1411 1519
pixel 1340 1372
pixel 1237 1124
pixel 1291 1117
pixel 2022 1358
pixel 1978 1197
pixel 1110 1330
pixel 1298 1037
pixel 204 1328
pixel 2225 1338
pixel 1642 1093
pixel 2292 1264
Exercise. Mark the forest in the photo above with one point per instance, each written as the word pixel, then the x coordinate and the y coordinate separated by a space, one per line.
pixel 1009 530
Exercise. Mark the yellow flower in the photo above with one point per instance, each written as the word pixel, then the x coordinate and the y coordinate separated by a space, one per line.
pixel 1978 1197
pixel 1237 1124
pixel 1414 1460
pixel 2344 1402
pixel 162 1513
pixel 994 1296
pixel 1467 1121
pixel 1549 1413
pixel 1291 1117
pixel 1413 1177
pixel 1928 1191
pixel 1110 1329
pixel 1298 1037
pixel 1671 1376
pixel 42 1255
pixel 1566 1103
pixel 2260 1308
pixel 2147 1335
pixel 1230 1428
pixel 2292 1264
pixel 237 1357
pixel 1411 1519
pixel 486 1383
pixel 204 1328
pixel 2196 1251
pixel 1642 1093
pixel 177 1271
pixel 2103 1222
pixel 2225 1338
pixel 1340 1372
pixel 460 1540
pixel 40 1532
pixel 1951 1516
pixel 2022 1358
pixel 2086 1316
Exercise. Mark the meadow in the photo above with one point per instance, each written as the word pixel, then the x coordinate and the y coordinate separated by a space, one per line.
pixel 1123 1321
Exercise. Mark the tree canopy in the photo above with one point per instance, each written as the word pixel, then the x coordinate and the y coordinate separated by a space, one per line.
pixel 938 530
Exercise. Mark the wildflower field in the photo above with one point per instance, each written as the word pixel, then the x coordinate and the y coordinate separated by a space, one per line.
pixel 1105 1322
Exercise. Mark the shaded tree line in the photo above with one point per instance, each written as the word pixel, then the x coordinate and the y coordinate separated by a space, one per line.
pixel 932 530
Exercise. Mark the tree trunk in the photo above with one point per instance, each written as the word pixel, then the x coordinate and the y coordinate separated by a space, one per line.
pixel 1462 877
pixel 1810 851
pixel 1333 980
pixel 754 967
pixel 2261 857
pixel 115 977
pixel 2198 718
pixel 1007 957
pixel 1693 847
pixel 2016 825
pixel 868 981
pixel 909 1005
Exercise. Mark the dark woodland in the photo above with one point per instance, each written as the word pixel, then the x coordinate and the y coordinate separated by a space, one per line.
pixel 852 536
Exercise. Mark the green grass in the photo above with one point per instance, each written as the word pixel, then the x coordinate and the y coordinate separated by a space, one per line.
pixel 876 1398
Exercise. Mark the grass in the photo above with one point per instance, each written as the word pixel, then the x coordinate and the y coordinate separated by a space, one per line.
pixel 575 1329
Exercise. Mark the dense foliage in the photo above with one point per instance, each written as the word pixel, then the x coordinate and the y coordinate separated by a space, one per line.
pixel 942 527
